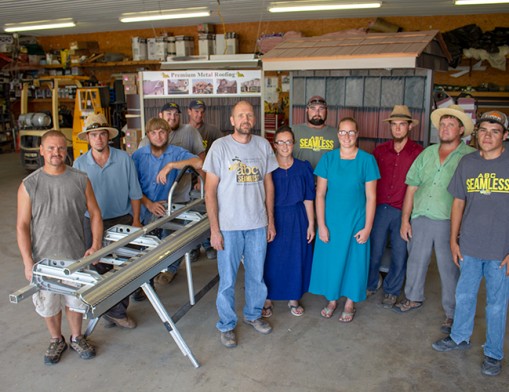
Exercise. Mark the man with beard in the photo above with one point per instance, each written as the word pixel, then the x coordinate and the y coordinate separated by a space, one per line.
pixel 116 187
pixel 314 138
pixel 429 204
pixel 394 158
pixel 52 202
pixel 157 165
pixel 239 195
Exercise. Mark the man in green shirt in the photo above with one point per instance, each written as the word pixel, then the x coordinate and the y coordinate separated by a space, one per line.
pixel 428 203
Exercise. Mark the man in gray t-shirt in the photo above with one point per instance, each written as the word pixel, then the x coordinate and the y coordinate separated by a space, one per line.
pixel 52 202
pixel 314 138
pixel 239 195
pixel 479 216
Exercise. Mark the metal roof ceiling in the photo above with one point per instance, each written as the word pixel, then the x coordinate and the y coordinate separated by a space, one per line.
pixel 102 15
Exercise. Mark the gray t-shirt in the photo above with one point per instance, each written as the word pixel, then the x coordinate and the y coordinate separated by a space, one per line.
pixel 58 211
pixel 311 143
pixel 241 169
pixel 484 185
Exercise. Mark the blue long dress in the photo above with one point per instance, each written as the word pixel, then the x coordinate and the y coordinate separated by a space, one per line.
pixel 289 256
pixel 340 267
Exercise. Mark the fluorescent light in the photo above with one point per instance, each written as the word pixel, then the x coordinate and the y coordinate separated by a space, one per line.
pixel 39 25
pixel 296 6
pixel 480 2
pixel 195 12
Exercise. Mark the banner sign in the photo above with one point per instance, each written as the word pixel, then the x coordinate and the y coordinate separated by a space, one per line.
pixel 159 84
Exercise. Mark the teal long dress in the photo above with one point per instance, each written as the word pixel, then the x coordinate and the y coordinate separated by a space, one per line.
pixel 340 267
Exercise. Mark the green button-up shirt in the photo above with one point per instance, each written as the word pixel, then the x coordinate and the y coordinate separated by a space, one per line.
pixel 432 199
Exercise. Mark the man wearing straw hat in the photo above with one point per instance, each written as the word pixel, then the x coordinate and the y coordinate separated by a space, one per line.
pixel 115 183
pixel 394 159
pixel 314 138
pixel 428 203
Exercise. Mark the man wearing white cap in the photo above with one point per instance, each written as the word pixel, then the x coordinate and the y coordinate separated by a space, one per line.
pixel 480 212
pixel 394 159
pixel 314 138
pixel 428 203
pixel 116 187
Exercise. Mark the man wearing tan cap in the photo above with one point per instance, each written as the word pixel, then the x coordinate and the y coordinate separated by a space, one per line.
pixel 480 241
pixel 394 159
pixel 118 192
pixel 314 138
pixel 428 203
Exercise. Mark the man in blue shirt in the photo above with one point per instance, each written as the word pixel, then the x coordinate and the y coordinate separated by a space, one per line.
pixel 158 164
pixel 118 193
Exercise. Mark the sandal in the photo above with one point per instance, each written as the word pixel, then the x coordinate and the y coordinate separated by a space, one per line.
pixel 296 310
pixel 347 317
pixel 406 306
pixel 267 311
pixel 328 312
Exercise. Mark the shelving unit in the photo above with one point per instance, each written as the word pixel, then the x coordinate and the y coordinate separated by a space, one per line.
pixel 486 100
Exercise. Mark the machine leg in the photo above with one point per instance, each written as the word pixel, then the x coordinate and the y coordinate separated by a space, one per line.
pixel 189 274
pixel 168 322
pixel 91 326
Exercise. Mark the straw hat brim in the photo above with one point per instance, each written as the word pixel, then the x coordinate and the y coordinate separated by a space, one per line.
pixel 465 118
pixel 113 133
pixel 414 121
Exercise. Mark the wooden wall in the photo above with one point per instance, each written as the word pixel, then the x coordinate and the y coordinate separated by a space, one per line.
pixel 120 41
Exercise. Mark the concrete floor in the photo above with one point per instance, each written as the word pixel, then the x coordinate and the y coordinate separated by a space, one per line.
pixel 379 351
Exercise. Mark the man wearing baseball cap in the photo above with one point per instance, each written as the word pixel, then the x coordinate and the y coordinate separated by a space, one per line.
pixel 480 212
pixel 208 132
pixel 314 138
pixel 394 159
pixel 428 203
pixel 117 190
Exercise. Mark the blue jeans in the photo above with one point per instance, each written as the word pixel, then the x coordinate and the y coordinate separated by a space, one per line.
pixel 252 244
pixel 387 220
pixel 497 297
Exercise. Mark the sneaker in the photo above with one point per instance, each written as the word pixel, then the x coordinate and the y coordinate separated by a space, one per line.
pixel 82 347
pixel 124 322
pixel 491 366
pixel 260 325
pixel 165 278
pixel 211 253
pixel 446 326
pixel 389 301
pixel 447 344
pixel 55 350
pixel 228 339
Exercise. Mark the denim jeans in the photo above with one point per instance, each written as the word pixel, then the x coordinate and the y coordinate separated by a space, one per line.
pixel 252 245
pixel 387 220
pixel 497 297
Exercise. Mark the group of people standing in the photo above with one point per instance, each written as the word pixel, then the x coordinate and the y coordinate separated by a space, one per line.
pixel 313 217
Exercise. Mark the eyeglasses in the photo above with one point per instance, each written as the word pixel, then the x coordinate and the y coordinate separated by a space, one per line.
pixel 97 125
pixel 284 142
pixel 349 133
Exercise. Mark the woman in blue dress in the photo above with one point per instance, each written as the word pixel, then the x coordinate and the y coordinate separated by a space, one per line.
pixel 289 256
pixel 345 209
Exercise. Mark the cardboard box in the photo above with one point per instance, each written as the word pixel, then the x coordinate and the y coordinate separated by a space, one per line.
pixel 130 147
pixel 156 48
pixel 129 78
pixel 133 135
pixel 93 46
pixel 130 88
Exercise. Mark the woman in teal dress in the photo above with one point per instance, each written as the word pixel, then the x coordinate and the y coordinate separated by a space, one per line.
pixel 345 209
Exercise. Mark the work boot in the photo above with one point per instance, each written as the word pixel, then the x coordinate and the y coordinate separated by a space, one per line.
pixel 124 322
